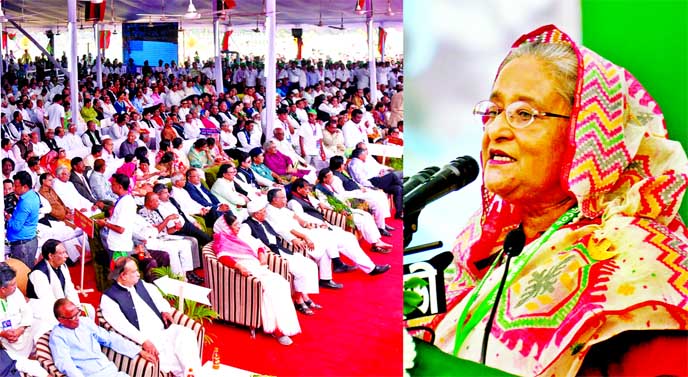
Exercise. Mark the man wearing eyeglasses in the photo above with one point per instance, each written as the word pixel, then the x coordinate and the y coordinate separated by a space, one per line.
pixel 75 345
pixel 16 318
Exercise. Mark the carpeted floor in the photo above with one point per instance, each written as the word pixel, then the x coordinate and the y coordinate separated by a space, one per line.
pixel 358 331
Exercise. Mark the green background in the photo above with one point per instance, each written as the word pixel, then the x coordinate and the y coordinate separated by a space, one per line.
pixel 657 56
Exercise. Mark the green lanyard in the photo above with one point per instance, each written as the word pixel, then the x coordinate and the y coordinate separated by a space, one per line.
pixel 3 303
pixel 462 331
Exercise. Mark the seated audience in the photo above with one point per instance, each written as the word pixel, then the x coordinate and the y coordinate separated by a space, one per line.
pixel 277 311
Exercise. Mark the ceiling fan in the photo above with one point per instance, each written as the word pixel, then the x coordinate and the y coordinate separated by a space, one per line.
pixel 341 25
pixel 191 13
pixel 162 16
pixel 257 29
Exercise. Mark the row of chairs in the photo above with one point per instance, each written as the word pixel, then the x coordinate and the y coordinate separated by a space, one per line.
pixel 236 299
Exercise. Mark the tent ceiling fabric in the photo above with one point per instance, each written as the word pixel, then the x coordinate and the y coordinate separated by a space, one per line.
pixel 48 13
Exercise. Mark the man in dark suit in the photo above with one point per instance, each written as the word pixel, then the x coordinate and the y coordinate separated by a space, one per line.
pixel 201 195
pixel 303 269
pixel 78 178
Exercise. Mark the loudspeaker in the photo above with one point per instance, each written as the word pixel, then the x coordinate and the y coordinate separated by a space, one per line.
pixel 296 33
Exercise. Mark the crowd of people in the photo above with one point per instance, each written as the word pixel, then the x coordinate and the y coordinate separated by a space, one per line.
pixel 164 164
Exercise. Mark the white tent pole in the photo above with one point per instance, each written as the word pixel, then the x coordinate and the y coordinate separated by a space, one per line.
pixel 371 52
pixel 219 85
pixel 99 62
pixel 72 62
pixel 270 62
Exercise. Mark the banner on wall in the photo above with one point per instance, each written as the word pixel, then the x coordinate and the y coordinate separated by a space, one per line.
pixel 225 39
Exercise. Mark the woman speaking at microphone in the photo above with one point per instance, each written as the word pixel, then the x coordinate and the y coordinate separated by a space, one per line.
pixel 576 161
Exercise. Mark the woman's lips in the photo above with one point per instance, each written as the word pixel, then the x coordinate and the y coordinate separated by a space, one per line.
pixel 498 157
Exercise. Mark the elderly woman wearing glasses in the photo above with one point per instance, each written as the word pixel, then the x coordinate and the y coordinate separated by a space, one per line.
pixel 581 187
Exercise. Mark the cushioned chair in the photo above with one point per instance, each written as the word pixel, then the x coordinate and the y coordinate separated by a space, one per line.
pixel 137 367
pixel 335 218
pixel 22 271
pixel 178 318
pixel 234 297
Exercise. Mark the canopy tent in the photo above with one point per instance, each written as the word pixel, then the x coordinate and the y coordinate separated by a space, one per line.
pixel 53 13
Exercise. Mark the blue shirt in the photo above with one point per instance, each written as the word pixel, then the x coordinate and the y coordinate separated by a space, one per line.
pixel 22 224
pixel 77 352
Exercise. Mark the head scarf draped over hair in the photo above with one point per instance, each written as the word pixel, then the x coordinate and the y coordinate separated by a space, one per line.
pixel 619 265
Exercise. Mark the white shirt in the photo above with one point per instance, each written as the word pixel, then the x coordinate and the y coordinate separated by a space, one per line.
pixel 354 133
pixel 192 130
pixel 150 324
pixel 167 208
pixel 125 209
pixel 311 135
pixel 55 115
pixel 52 290
pixel 282 221
pixel 190 206
pixel 70 197
pixel 227 140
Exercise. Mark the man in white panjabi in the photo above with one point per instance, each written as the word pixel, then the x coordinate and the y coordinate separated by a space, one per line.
pixel 50 280
pixel 288 226
pixel 303 270
pixel 17 335
pixel 138 311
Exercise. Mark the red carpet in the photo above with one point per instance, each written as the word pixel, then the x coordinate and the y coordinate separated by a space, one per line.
pixel 358 331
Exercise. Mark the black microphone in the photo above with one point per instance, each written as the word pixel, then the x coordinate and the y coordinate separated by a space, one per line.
pixel 420 178
pixel 453 176
pixel 513 245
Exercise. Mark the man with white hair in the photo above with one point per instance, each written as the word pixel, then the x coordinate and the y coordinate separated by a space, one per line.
pixel 40 148
pixel 72 143
pixel 303 270
pixel 183 251
pixel 55 226
pixel 72 199
pixel 292 229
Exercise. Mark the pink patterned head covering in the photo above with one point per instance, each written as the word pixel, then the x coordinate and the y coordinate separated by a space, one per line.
pixel 611 268
pixel 617 157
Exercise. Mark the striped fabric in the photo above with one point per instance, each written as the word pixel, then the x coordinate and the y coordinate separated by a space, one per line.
pixel 334 218
pixel 178 318
pixel 134 367
pixel 234 297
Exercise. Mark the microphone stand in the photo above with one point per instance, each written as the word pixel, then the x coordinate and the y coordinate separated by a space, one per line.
pixel 513 245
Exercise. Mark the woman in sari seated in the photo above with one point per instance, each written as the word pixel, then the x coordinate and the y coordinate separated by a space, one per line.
pixel 577 164
pixel 283 166
pixel 277 311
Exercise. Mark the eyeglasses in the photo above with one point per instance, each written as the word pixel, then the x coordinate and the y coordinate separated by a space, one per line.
pixel 72 318
pixel 519 114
